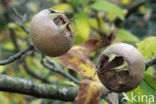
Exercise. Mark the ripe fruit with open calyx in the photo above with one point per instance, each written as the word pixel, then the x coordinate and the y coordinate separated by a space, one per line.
pixel 51 33
pixel 121 67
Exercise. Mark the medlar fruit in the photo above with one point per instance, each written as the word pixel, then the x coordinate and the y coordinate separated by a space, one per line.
pixel 121 67
pixel 51 33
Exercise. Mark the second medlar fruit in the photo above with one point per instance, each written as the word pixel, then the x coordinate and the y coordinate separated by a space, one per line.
pixel 121 67
pixel 51 33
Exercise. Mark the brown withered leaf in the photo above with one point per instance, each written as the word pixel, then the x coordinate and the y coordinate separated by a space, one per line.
pixel 77 60
pixel 4 36
pixel 94 45
pixel 79 63
pixel 90 92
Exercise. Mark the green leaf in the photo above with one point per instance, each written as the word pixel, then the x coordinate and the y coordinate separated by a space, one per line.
pixel 84 2
pixel 108 7
pixel 150 71
pixel 150 80
pixel 126 36
pixel 135 92
pixel 142 92
pixel 74 3
pixel 147 47
pixel 62 7
pixel 82 27
pixel 148 90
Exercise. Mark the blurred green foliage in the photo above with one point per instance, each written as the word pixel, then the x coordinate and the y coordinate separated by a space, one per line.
pixel 90 19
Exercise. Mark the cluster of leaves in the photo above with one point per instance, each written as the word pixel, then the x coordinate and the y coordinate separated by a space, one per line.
pixel 95 28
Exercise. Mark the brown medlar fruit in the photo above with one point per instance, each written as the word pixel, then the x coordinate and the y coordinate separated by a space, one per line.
pixel 121 67
pixel 51 33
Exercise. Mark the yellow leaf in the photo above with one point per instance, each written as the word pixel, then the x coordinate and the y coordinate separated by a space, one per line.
pixel 79 63
pixel 18 98
pixel 89 92
pixel 2 68
pixel 19 31
pixel 9 45
pixel 103 25
pixel 77 60
pixel 147 47
pixel 14 26
pixel 38 101
pixel 3 99
pixel 102 101
pixel 93 23
pixel 29 60
pixel 33 7
pixel 82 27
pixel 143 9
pixel 62 7
pixel 111 16
pixel 126 2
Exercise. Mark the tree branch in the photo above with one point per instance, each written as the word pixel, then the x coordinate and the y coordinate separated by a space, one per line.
pixel 133 9
pixel 18 85
pixel 14 40
pixel 36 75
pixel 150 62
pixel 16 56
pixel 53 68
pixel 22 18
